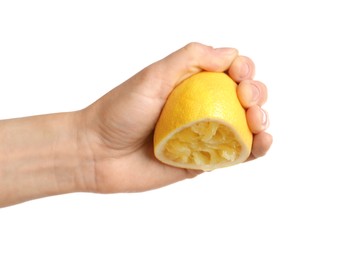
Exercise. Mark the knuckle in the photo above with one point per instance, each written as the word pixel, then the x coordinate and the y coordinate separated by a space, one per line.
pixel 194 47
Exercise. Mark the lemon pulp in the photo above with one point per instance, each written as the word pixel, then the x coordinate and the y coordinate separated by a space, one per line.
pixel 204 143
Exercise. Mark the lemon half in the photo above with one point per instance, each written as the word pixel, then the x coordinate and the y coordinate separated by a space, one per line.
pixel 203 125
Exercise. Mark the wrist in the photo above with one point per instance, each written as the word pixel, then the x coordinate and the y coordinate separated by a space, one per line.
pixel 73 161
pixel 42 156
pixel 83 156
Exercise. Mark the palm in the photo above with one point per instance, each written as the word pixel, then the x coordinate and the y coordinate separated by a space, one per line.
pixel 127 128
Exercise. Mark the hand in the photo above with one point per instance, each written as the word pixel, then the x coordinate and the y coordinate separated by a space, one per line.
pixel 117 129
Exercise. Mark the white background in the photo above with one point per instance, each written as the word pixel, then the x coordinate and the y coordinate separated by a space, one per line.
pixel 62 55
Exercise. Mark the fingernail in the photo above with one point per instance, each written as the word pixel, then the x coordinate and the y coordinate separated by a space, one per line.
pixel 264 120
pixel 255 93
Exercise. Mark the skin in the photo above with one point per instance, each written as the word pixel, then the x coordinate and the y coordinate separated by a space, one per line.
pixel 107 146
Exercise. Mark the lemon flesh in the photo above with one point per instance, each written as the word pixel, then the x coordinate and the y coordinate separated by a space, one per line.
pixel 203 125
pixel 204 143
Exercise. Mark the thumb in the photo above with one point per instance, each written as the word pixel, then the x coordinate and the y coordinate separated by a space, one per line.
pixel 195 57
pixel 162 76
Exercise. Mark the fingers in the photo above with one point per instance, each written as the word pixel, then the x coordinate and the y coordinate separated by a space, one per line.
pixel 252 95
pixel 193 58
pixel 257 119
pixel 261 144
pixel 251 92
pixel 241 69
